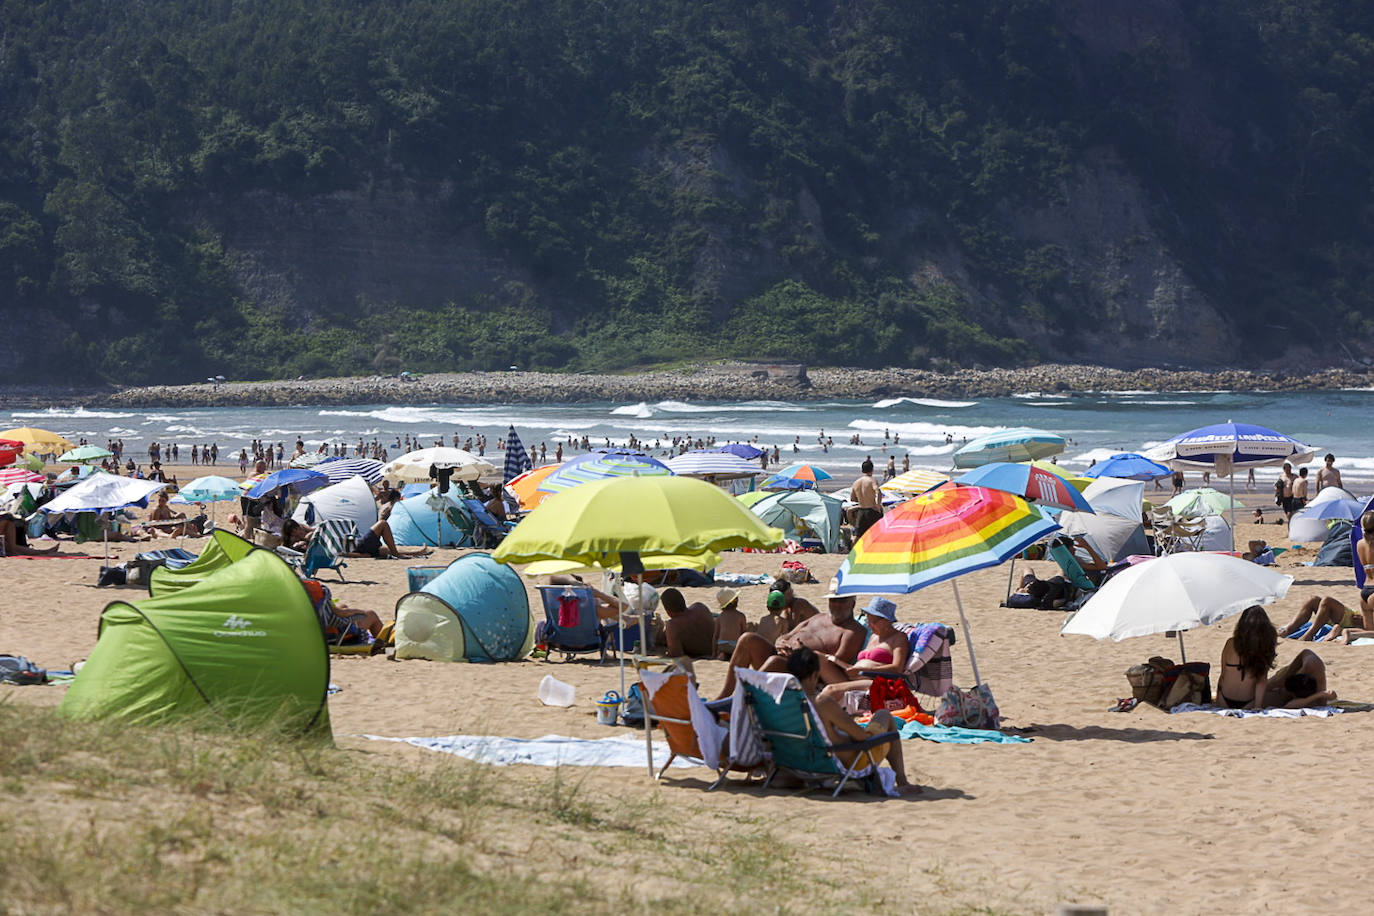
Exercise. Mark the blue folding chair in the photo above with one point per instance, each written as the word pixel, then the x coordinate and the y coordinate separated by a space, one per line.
pixel 589 634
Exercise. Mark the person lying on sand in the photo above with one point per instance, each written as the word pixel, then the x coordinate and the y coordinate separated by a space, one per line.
pixel 379 543
pixel 805 666
pixel 886 652
pixel 1321 611
pixel 836 635
pixel 1247 657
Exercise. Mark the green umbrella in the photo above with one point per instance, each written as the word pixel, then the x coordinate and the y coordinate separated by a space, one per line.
pixel 83 453
pixel 1202 501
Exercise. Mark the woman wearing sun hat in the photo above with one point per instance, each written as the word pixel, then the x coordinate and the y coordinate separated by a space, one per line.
pixel 886 652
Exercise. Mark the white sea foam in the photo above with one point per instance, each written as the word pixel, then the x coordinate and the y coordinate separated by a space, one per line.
pixel 641 411
pixel 1038 396
pixel 925 430
pixel 71 413
pixel 922 402
pixel 741 407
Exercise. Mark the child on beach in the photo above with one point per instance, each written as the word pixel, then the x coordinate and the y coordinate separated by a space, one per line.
pixel 731 623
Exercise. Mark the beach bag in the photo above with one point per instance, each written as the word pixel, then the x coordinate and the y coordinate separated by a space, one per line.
pixel 1165 685
pixel 892 694
pixel 796 572
pixel 969 708
pixel 634 707
pixel 16 669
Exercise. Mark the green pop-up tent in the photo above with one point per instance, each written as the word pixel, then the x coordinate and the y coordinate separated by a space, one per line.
pixel 223 549
pixel 797 511
pixel 243 643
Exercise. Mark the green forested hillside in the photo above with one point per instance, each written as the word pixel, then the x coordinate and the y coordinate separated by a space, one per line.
pixel 273 188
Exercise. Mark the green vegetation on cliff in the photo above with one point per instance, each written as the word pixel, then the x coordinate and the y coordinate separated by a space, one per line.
pixel 861 184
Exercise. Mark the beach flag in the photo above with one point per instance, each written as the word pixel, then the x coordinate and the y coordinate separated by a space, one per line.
pixel 517 461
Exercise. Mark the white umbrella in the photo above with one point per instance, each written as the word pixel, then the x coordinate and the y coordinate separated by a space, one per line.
pixel 1178 592
pixel 413 467
pixel 103 493
pixel 712 464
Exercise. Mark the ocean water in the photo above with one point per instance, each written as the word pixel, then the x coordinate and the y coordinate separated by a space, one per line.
pixel 1097 424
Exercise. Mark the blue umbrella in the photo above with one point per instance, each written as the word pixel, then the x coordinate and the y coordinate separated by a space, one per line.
pixel 1246 445
pixel 1128 466
pixel 517 459
pixel 742 449
pixel 1031 483
pixel 297 480
pixel 783 482
pixel 1019 444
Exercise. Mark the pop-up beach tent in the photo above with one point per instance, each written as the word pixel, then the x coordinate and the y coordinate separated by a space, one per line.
pixel 474 611
pixel 350 500
pixel 415 523
pixel 223 549
pixel 243 644
pixel 796 510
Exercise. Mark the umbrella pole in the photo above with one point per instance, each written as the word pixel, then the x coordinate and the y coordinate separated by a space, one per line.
pixel 968 639
pixel 1182 653
pixel 1011 574
pixel 1232 509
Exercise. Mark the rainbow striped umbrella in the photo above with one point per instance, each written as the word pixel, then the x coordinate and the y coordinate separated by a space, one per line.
pixel 802 471
pixel 940 535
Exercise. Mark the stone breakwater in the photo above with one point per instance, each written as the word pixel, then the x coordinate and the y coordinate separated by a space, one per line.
pixel 705 382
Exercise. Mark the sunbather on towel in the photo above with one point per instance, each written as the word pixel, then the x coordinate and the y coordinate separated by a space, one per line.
pixel 1247 657
pixel 805 666
pixel 886 653
pixel 379 543
pixel 1321 611
pixel 834 635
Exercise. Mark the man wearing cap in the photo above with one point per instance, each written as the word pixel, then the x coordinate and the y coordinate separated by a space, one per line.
pixel 836 637
pixel 731 623
pixel 690 629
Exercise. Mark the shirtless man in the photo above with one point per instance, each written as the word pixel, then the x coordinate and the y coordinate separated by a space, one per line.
pixel 835 634
pixel 805 666
pixel 1328 476
pixel 795 609
pixel 868 499
pixel 690 629
pixel 1288 478
pixel 1300 490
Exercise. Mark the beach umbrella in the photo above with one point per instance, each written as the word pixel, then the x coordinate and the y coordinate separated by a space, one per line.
pixel 1225 448
pixel 12 476
pixel 915 481
pixel 414 467
pixel 1176 592
pixel 340 469
pixel 712 464
pixel 38 440
pixel 10 450
pixel 621 521
pixel 517 459
pixel 1128 466
pixel 526 486
pixel 1029 482
pixel 295 480
pixel 802 471
pixel 742 449
pixel 84 453
pixel 782 482
pixel 209 489
pixel 752 497
pixel 1201 501
pixel 73 474
pixel 308 460
pixel 939 536
pixel 1019 444
pixel 103 493
pixel 601 466
pixel 1310 522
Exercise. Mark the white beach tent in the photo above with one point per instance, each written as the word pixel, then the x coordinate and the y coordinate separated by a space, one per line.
pixel 1310 522
pixel 1114 525
pixel 350 500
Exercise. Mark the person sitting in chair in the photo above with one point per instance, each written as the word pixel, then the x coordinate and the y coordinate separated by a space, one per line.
pixel 805 666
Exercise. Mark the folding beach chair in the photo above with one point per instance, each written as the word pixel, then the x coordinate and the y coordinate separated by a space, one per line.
pixel 487 532
pixel 779 712
pixel 329 541
pixel 688 722
pixel 588 634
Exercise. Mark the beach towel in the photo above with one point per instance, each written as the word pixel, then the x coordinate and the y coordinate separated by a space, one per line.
pixel 951 734
pixel 548 751
pixel 1321 634
pixel 930 669
pixel 568 604
pixel 1320 712
pixel 729 578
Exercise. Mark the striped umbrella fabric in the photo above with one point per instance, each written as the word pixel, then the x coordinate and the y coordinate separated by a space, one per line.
pixel 340 469
pixel 11 476
pixel 940 535
pixel 308 460
pixel 517 459
pixel 712 464
pixel 526 486
pixel 1019 444
pixel 804 471
pixel 914 482
pixel 600 466
pixel 1028 481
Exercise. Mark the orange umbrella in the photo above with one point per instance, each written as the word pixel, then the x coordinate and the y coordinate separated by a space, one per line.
pixel 526 486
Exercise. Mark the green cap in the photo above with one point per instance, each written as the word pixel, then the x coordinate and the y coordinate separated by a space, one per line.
pixel 776 600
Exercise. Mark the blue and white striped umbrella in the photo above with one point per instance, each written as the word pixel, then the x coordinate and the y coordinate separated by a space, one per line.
pixel 341 469
pixel 308 460
pixel 712 464
pixel 517 459
pixel 601 465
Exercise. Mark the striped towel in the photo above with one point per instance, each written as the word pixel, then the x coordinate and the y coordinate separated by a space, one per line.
pixel 929 670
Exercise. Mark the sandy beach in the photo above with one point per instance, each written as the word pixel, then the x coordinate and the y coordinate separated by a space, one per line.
pixel 1142 811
